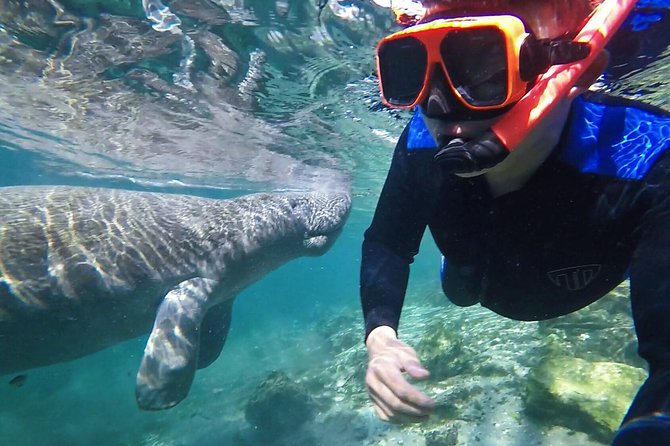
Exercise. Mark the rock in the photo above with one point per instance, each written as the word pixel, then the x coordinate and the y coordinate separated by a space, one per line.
pixel 445 436
pixel 279 407
pixel 585 396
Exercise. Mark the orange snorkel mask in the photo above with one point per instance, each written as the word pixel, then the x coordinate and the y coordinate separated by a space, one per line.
pixel 489 62
pixel 522 115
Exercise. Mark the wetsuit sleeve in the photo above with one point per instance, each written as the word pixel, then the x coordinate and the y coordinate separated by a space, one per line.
pixel 650 294
pixel 393 238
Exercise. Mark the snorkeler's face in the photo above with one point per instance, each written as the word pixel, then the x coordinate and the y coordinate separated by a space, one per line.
pixel 546 19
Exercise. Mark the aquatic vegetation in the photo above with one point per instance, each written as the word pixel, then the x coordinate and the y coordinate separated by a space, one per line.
pixel 442 350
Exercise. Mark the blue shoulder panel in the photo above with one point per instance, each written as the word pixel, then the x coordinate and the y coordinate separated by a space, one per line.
pixel 617 139
pixel 660 4
pixel 419 136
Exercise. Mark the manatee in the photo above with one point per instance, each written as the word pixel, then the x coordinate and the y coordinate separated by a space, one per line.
pixel 83 268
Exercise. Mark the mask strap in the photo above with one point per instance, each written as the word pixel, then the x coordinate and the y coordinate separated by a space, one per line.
pixel 537 55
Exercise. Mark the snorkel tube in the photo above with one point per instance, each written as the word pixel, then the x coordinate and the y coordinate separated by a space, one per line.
pixel 459 156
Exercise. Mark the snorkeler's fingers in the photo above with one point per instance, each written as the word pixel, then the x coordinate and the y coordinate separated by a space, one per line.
pixel 387 384
pixel 382 409
pixel 396 412
pixel 390 408
pixel 405 392
pixel 415 369
pixel 385 413
pixel 409 360
pixel 381 414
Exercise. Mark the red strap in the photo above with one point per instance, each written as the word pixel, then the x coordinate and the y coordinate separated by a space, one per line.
pixel 514 125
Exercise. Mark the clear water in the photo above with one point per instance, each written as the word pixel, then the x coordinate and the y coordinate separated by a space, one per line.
pixel 215 98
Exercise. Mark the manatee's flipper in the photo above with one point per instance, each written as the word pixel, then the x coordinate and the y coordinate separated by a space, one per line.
pixel 171 354
pixel 213 333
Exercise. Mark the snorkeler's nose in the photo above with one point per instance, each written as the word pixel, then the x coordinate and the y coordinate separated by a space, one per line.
pixel 436 104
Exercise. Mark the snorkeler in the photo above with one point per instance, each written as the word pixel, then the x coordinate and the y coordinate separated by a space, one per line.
pixel 541 196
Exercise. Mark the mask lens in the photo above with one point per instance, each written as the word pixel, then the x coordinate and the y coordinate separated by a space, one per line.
pixel 402 69
pixel 476 60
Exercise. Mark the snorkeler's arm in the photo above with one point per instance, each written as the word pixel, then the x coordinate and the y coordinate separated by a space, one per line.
pixel 388 249
pixel 650 293
pixel 393 238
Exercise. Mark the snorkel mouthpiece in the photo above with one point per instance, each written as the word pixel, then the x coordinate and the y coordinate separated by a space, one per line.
pixel 487 150
pixel 460 156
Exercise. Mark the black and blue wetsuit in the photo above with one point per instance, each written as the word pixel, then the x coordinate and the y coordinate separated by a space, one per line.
pixel 595 213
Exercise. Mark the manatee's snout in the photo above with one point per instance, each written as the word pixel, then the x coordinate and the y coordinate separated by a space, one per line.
pixel 323 215
pixel 326 212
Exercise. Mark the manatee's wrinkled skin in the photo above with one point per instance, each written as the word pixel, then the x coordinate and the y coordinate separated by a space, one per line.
pixel 85 268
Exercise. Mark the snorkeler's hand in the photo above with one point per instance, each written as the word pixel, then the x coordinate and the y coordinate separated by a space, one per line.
pixel 460 156
pixel 393 397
